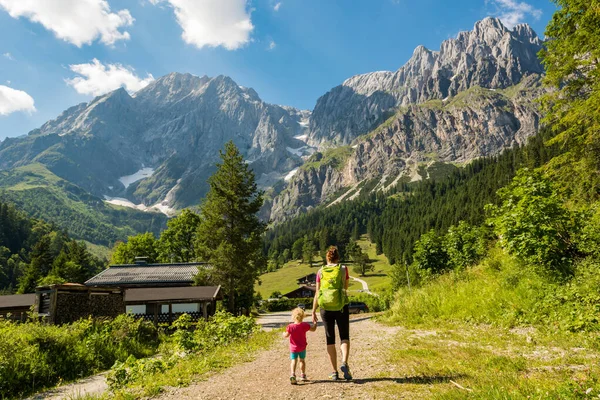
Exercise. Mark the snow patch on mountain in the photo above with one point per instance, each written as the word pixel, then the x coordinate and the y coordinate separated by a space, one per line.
pixel 160 206
pixel 290 174
pixel 141 174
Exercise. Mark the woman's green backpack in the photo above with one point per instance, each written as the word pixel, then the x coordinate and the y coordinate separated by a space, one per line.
pixel 332 296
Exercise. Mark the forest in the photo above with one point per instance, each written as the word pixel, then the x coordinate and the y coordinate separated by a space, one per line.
pixel 395 220
pixel 34 252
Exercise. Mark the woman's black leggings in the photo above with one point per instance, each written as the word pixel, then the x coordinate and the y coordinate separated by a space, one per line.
pixel 341 318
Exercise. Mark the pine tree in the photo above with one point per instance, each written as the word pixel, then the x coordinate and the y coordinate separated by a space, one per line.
pixel 308 250
pixel 230 234
pixel 297 249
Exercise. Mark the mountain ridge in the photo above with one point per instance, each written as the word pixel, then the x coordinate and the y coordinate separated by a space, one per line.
pixel 380 125
pixel 178 117
pixel 355 106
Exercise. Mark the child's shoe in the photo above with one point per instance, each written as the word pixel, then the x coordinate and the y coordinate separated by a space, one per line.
pixel 303 378
pixel 346 371
pixel 293 380
pixel 334 376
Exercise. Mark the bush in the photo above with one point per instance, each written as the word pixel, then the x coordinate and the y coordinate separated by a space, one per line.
pixel 430 256
pixel 465 245
pixel 33 355
pixel 286 304
pixel 533 223
pixel 588 240
pixel 375 303
pixel 222 329
pixel 575 306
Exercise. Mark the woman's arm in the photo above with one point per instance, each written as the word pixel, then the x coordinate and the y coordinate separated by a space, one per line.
pixel 315 303
pixel 346 278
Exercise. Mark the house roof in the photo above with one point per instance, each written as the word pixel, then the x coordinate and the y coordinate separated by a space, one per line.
pixel 17 301
pixel 308 277
pixel 172 294
pixel 132 274
pixel 300 289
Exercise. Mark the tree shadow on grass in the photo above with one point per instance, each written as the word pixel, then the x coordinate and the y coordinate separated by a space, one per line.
pixel 372 275
pixel 415 380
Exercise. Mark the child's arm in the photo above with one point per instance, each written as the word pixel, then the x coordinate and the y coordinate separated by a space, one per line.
pixel 315 303
pixel 286 334
pixel 313 327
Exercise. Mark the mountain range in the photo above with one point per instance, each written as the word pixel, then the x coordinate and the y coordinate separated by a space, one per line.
pixel 153 151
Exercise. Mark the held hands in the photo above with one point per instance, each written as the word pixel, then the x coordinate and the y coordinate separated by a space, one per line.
pixel 314 317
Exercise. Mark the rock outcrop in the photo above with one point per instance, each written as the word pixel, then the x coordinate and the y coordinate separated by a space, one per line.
pixel 490 56
pixel 477 122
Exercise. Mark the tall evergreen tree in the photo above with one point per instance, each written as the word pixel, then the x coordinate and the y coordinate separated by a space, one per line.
pixel 230 234
pixel 308 250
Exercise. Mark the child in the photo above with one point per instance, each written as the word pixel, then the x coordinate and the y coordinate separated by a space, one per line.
pixel 296 331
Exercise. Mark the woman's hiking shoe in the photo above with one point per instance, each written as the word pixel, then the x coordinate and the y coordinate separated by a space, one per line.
pixel 303 378
pixel 334 376
pixel 293 380
pixel 346 371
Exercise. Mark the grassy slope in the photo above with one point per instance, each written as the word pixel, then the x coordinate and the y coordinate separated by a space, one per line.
pixel 495 329
pixel 42 194
pixel 488 363
pixel 284 279
pixel 378 279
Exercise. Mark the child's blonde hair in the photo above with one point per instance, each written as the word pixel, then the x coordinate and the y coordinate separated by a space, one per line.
pixel 298 314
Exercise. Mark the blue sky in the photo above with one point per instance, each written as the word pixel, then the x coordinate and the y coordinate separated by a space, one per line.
pixel 58 53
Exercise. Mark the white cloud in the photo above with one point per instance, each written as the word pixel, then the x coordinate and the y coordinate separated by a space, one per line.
pixel 272 45
pixel 277 6
pixel 9 56
pixel 213 23
pixel 76 21
pixel 97 79
pixel 12 100
pixel 512 12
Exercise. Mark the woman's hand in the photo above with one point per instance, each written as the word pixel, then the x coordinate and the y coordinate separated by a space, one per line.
pixel 314 317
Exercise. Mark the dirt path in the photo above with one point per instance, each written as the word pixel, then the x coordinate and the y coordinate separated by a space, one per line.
pixel 364 284
pixel 267 377
pixel 93 386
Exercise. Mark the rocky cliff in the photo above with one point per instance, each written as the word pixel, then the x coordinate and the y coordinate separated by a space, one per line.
pixel 490 56
pixel 476 122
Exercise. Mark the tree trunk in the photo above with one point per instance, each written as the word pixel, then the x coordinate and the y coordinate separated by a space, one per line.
pixel 231 305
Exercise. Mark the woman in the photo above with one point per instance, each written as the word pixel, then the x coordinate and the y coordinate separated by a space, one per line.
pixel 330 296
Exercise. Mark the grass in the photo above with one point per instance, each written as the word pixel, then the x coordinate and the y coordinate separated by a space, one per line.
pixel 500 330
pixel 334 157
pixel 284 279
pixel 379 279
pixel 488 363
